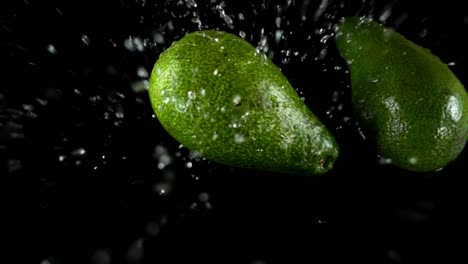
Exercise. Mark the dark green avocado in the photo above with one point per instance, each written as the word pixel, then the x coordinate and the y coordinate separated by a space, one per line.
pixel 404 97
pixel 222 98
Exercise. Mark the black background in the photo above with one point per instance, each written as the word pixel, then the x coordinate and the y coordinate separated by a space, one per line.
pixel 101 205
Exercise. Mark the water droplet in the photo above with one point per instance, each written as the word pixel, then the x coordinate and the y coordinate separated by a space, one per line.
pixel 443 132
pixel 241 16
pixel 322 54
pixel 239 138
pixel 61 158
pixel 413 160
pixel 181 106
pixel 320 31
pixel 196 20
pixel 78 152
pixel 140 86
pixel 119 113
pixel 451 63
pixel 133 44
pixel 141 72
pixel 278 21
pixel 158 38
pixel 215 136
pixel 190 3
pixel 320 10
pixel 453 108
pixel 321 221
pixel 423 33
pixel 242 34
pixel 245 115
pixel 85 39
pixel 384 161
pixel 335 96
pixel 385 14
pixel 162 188
pixel 325 38
pixel 263 44
pixel 215 72
pixel 373 79
pixel 188 165
pixel 236 100
pixel 361 133
pixel 278 35
pixel 203 197
pixel 161 154
pixel 51 49
pixel 191 95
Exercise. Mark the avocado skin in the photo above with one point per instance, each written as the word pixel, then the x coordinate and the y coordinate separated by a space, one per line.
pixel 404 97
pixel 220 97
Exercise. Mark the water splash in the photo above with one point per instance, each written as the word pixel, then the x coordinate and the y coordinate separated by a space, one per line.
pixel 222 14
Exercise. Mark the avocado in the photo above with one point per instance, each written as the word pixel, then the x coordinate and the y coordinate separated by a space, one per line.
pixel 225 100
pixel 405 99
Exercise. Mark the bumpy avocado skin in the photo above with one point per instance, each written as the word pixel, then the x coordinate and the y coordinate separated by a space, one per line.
pixel 219 96
pixel 405 98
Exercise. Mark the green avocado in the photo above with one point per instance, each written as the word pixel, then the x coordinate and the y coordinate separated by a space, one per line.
pixel 225 100
pixel 406 100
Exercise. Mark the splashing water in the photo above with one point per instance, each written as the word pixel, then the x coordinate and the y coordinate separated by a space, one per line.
pixel 76 104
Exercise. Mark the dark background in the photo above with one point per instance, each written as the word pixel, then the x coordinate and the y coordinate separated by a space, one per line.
pixel 81 154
